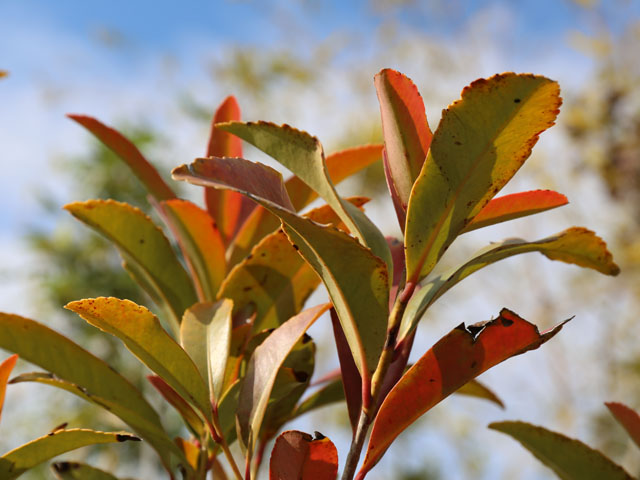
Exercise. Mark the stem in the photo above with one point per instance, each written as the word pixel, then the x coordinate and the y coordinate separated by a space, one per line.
pixel 216 431
pixel 356 446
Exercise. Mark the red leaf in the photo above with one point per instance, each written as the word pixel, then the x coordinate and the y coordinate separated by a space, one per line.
pixel 5 371
pixel 516 205
pixel 298 456
pixel 458 357
pixel 191 418
pixel 130 154
pixel 628 418
pixel 229 209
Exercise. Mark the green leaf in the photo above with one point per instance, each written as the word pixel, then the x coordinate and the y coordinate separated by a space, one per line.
pixel 205 334
pixel 145 249
pixel 481 142
pixel 201 244
pixel 407 135
pixel 129 153
pixel 458 357
pixel 5 370
pixel 143 335
pixel 263 370
pixel 476 389
pixel 44 448
pixel 88 374
pixel 575 245
pixel 570 459
pixel 79 471
pixel 362 306
pixel 628 418
pixel 297 455
pixel 328 394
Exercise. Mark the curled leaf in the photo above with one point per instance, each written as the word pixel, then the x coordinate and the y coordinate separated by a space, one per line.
pixel 5 370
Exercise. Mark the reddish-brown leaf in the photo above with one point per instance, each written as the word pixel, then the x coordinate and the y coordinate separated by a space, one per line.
pixel 628 418
pixel 298 456
pixel 130 154
pixel 516 205
pixel 228 209
pixel 5 371
pixel 458 357
pixel 191 418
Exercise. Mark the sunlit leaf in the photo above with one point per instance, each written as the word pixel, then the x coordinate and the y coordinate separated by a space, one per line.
pixel 628 418
pixel 460 356
pixel 570 459
pixel 481 142
pixel 142 244
pixel 130 154
pixel 80 471
pixel 143 335
pixel 516 205
pixel 263 370
pixel 228 209
pixel 201 243
pixel 44 448
pixel 191 451
pixel 362 306
pixel 407 135
pixel 5 370
pixel 575 245
pixel 190 417
pixel 476 389
pixel 297 455
pixel 205 334
pixel 87 375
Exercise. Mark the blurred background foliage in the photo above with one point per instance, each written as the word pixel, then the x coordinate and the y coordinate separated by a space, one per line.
pixel 303 80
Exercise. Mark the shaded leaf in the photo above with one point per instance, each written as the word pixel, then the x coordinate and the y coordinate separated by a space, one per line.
pixel 79 471
pixel 263 370
pixel 480 143
pixel 516 205
pixel 201 245
pixel 205 334
pixel 87 374
pixel 144 248
pixel 228 209
pixel 44 448
pixel 130 154
pixel 362 306
pixel 407 135
pixel 143 335
pixel 628 418
pixel 5 370
pixel 297 455
pixel 190 417
pixel 570 459
pixel 458 357
pixel 575 245
pixel 328 394
pixel 474 388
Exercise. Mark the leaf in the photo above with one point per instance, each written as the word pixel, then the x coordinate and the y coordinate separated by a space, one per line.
pixel 297 455
pixel 79 471
pixel 53 444
pixel 575 245
pixel 628 418
pixel 129 153
pixel 362 306
pixel 328 394
pixel 69 362
pixel 190 417
pixel 4 74
pixel 5 370
pixel 260 223
pixel 570 459
pixel 481 142
pixel 228 209
pixel 516 205
pixel 407 135
pixel 474 388
pixel 263 369
pixel 201 243
pixel 458 357
pixel 145 248
pixel 205 334
pixel 143 335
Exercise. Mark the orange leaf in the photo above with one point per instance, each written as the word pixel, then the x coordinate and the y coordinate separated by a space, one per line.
pixel 516 205
pixel 628 418
pixel 458 357
pixel 298 456
pixel 229 209
pixel 129 153
pixel 5 371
